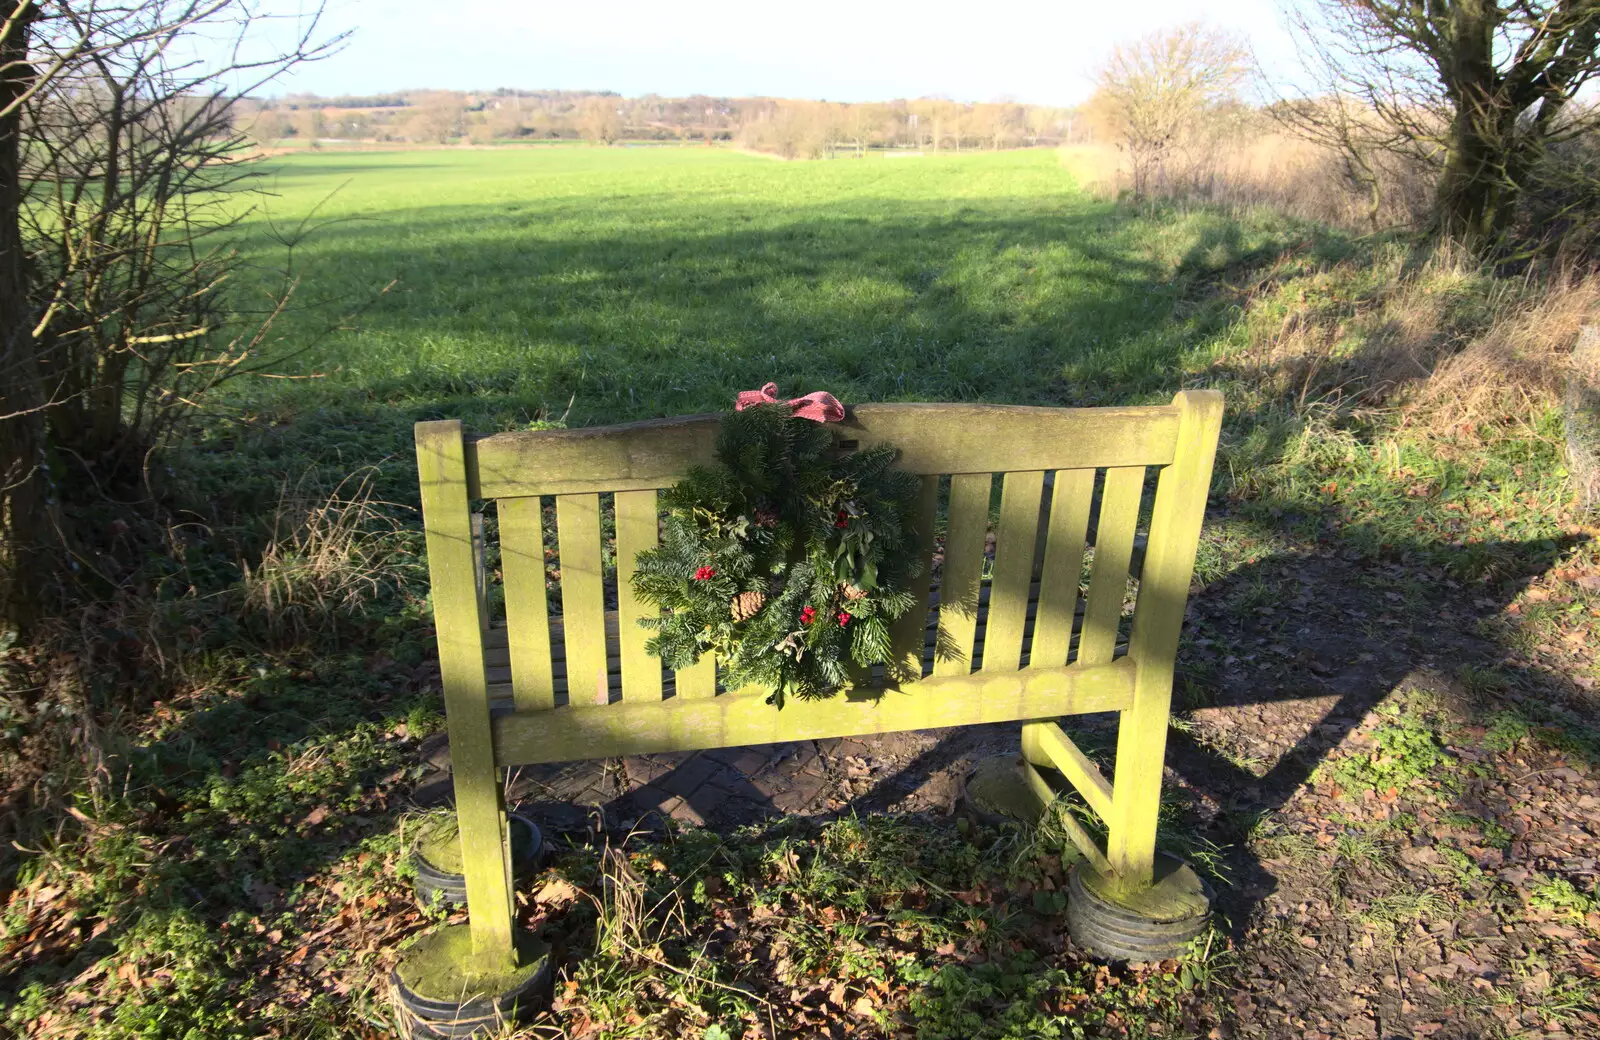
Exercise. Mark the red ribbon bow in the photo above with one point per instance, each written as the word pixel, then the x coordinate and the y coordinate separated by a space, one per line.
pixel 820 406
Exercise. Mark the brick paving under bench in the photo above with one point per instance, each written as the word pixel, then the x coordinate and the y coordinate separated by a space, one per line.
pixel 729 787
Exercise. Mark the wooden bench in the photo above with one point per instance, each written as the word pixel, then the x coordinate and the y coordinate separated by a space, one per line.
pixel 1006 637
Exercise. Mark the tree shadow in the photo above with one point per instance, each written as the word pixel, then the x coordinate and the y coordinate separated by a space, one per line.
pixel 901 300
pixel 1309 645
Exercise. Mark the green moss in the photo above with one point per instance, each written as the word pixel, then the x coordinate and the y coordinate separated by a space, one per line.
pixel 440 966
pixel 439 843
pixel 997 786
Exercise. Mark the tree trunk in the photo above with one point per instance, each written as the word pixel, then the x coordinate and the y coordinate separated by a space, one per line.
pixel 1474 199
pixel 1476 196
pixel 24 501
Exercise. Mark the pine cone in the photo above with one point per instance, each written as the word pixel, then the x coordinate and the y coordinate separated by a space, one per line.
pixel 852 592
pixel 745 605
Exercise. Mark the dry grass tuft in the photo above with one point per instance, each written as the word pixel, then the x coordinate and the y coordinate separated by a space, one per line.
pixel 328 554
pixel 1361 338
pixel 1444 347
pixel 1246 167
pixel 1517 366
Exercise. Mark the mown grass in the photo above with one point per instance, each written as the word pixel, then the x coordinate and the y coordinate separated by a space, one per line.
pixel 219 855
pixel 633 284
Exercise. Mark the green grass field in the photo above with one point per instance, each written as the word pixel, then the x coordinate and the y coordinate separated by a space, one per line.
pixel 637 282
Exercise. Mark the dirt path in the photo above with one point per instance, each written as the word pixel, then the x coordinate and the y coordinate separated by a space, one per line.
pixel 1413 846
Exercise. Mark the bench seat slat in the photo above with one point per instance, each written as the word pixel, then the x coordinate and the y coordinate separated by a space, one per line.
pixel 907 634
pixel 1113 550
pixel 963 572
pixel 637 530
pixel 1014 541
pixel 1063 566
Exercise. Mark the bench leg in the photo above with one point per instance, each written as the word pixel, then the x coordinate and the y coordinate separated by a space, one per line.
pixel 1167 898
pixel 458 618
pixel 486 864
pixel 1136 788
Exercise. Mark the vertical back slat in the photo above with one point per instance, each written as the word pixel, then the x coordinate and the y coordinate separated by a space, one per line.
pixel 482 573
pixel 636 531
pixel 527 605
pixel 583 604
pixel 699 681
pixel 910 634
pixel 1062 567
pixel 1014 542
pixel 1113 548
pixel 963 573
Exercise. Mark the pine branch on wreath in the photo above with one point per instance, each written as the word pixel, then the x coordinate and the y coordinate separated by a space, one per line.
pixel 787 559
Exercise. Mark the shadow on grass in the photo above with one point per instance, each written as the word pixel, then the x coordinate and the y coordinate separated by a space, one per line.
pixel 911 301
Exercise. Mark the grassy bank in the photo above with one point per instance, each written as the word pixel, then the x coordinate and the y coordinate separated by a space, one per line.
pixel 209 819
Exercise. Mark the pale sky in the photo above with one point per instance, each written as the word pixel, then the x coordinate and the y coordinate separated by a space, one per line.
pixel 841 50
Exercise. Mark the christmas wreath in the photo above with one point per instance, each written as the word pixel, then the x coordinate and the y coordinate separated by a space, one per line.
pixel 788 558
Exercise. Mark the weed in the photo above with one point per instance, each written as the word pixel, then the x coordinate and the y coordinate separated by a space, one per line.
pixel 1407 750
pixel 1480 681
pixel 1494 835
pixel 1288 846
pixel 1388 913
pixel 1561 896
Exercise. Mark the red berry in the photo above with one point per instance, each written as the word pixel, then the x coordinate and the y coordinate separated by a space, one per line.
pixel 808 615
pixel 705 573
pixel 844 618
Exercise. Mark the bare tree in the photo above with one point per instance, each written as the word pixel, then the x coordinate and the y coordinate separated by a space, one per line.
pixel 861 122
pixel 1476 90
pixel 598 120
pixel 264 126
pixel 118 158
pixel 1153 91
pixel 440 116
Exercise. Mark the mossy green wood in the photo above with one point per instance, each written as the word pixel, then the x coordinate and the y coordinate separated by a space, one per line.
pixel 909 633
pixel 961 586
pixel 527 607
pixel 933 439
pixel 637 530
pixel 1047 744
pixel 744 717
pixel 479 571
pixel 1076 832
pixel 697 682
pixel 583 602
pixel 1180 438
pixel 452 571
pixel 1070 504
pixel 1175 521
pixel 1014 541
pixel 1113 549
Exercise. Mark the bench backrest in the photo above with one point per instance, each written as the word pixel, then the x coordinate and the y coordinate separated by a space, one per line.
pixel 1072 487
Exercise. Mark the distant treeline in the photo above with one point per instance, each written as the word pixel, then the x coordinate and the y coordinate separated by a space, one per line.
pixel 792 128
